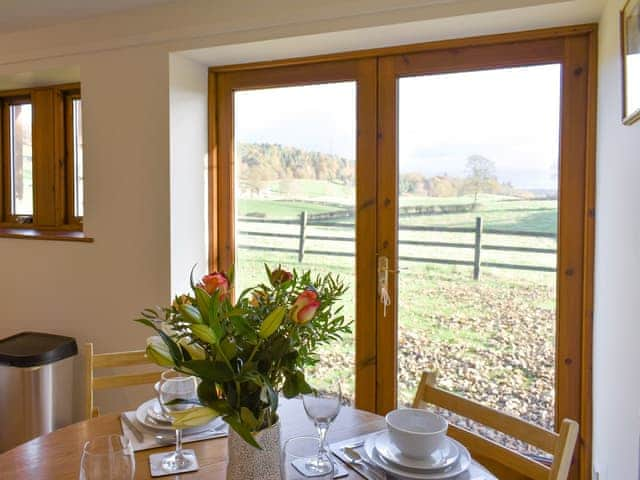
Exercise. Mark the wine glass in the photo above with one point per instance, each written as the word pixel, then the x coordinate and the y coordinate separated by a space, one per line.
pixel 109 457
pixel 295 454
pixel 322 408
pixel 177 386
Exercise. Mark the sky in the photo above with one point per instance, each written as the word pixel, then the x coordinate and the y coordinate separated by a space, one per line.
pixel 510 116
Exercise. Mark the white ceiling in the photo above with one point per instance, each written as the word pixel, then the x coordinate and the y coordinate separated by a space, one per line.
pixel 26 14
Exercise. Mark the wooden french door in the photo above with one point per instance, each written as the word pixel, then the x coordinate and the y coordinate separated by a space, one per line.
pixel 312 85
pixel 377 222
pixel 566 59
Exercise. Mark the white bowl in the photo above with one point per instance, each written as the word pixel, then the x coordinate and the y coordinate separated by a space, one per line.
pixel 417 433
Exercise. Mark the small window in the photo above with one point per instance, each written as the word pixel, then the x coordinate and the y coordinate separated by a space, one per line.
pixel 41 181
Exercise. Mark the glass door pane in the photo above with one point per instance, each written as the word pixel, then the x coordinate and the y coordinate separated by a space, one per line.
pixel 20 160
pixel 295 194
pixel 477 236
pixel 78 159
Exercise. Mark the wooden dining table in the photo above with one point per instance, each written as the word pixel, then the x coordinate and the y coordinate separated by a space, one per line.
pixel 56 456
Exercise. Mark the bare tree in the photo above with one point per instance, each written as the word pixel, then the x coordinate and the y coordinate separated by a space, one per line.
pixel 481 174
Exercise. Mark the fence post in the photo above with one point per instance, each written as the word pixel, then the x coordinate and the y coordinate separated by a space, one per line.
pixel 477 249
pixel 303 228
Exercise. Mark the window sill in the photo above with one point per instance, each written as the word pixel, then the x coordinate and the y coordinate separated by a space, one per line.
pixel 41 234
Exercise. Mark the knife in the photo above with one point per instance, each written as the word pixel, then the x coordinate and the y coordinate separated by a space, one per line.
pixel 135 430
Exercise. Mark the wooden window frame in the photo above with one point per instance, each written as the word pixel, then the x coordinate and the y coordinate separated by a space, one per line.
pixel 575 47
pixel 69 96
pixel 5 214
pixel 53 169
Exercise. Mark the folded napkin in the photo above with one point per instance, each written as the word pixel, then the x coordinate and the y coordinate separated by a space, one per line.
pixel 475 471
pixel 216 429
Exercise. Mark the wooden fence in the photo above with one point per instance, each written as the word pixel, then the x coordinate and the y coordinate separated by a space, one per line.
pixel 478 245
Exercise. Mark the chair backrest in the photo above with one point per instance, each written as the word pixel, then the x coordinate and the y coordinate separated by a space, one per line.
pixel 112 360
pixel 560 445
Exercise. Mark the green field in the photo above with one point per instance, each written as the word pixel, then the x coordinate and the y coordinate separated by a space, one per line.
pixel 492 339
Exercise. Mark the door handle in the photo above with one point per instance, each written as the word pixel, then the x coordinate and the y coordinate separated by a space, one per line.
pixel 383 283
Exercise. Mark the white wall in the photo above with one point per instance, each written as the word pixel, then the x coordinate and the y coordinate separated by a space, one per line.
pixel 189 146
pixel 142 182
pixel 617 302
pixel 91 291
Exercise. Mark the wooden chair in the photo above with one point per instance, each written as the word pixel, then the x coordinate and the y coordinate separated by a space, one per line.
pixel 505 463
pixel 111 360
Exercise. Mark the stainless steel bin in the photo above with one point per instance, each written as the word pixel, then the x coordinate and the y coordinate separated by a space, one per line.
pixel 36 384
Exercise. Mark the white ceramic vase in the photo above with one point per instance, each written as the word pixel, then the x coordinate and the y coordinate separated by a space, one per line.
pixel 249 463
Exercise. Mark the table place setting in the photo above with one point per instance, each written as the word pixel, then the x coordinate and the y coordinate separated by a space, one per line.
pixel 414 446
pixel 144 432
pixel 152 425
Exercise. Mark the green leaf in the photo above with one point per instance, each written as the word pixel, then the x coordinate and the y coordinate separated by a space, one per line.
pixel 158 355
pixel 203 300
pixel 268 395
pixel 289 389
pixel 278 348
pixel 235 423
pixel 243 329
pixel 213 371
pixel 174 350
pixel 229 348
pixel 185 353
pixel 266 267
pixel 207 391
pixel 190 313
pixel 272 322
pixel 243 294
pixel 149 313
pixel 301 383
pixel 231 274
pixel 248 418
pixel 222 406
pixel 205 333
pixel 213 309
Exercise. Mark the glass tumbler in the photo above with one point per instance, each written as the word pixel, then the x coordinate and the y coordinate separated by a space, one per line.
pixel 296 454
pixel 109 457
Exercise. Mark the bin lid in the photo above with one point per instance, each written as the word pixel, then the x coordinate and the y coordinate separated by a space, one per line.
pixel 32 349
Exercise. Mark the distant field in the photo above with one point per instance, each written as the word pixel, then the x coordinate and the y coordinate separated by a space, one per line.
pixel 279 208
pixel 492 339
pixel 496 211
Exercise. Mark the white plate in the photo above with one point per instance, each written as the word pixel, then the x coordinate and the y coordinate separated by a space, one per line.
pixel 143 410
pixel 438 460
pixel 460 466
pixel 157 414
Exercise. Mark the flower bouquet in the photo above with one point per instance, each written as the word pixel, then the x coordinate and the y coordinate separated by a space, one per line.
pixel 249 351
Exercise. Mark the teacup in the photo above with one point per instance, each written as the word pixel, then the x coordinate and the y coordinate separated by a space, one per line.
pixel 417 433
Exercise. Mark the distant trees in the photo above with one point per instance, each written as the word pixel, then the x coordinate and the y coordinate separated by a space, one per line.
pixel 262 162
pixel 266 162
pixel 412 182
pixel 481 176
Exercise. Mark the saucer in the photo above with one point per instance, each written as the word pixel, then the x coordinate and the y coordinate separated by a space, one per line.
pixel 152 424
pixel 439 459
pixel 458 467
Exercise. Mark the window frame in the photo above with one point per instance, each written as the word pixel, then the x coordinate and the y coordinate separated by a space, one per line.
pixel 7 215
pixel 52 153
pixel 69 97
